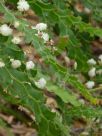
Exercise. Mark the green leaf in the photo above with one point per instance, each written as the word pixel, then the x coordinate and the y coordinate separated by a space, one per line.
pixel 65 95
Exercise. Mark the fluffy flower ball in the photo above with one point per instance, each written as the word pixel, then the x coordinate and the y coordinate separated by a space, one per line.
pixel 91 62
pixel 16 24
pixel 2 64
pixel 100 57
pixel 23 5
pixel 41 83
pixel 92 72
pixel 30 65
pixel 16 63
pixel 16 40
pixel 5 30
pixel 87 10
pixel 41 26
pixel 75 65
pixel 45 37
pixel 90 84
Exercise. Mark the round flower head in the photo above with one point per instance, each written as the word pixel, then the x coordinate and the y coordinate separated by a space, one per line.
pixel 2 64
pixel 99 72
pixel 90 84
pixel 30 65
pixel 16 40
pixel 16 24
pixel 45 37
pixel 16 63
pixel 5 30
pixel 82 101
pixel 11 59
pixel 100 57
pixel 41 83
pixel 75 65
pixel 91 62
pixel 41 26
pixel 87 10
pixel 92 72
pixel 23 5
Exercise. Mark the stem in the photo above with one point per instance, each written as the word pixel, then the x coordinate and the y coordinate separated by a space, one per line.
pixel 96 89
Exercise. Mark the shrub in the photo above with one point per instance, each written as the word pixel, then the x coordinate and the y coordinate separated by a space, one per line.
pixel 62 47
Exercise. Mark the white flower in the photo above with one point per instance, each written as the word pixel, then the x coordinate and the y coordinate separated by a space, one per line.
pixel 100 57
pixel 45 37
pixel 75 65
pixel 16 63
pixel 16 24
pixel 30 65
pixel 41 83
pixel 85 133
pixel 54 110
pixel 41 26
pixel 5 30
pixel 92 72
pixel 87 10
pixel 91 61
pixel 55 49
pixel 99 72
pixel 52 42
pixel 16 40
pixel 2 64
pixel 11 60
pixel 82 101
pixel 90 84
pixel 23 5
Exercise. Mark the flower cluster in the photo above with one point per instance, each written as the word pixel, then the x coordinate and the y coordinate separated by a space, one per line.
pixel 41 27
pixel 92 72
pixel 29 65
pixel 6 30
